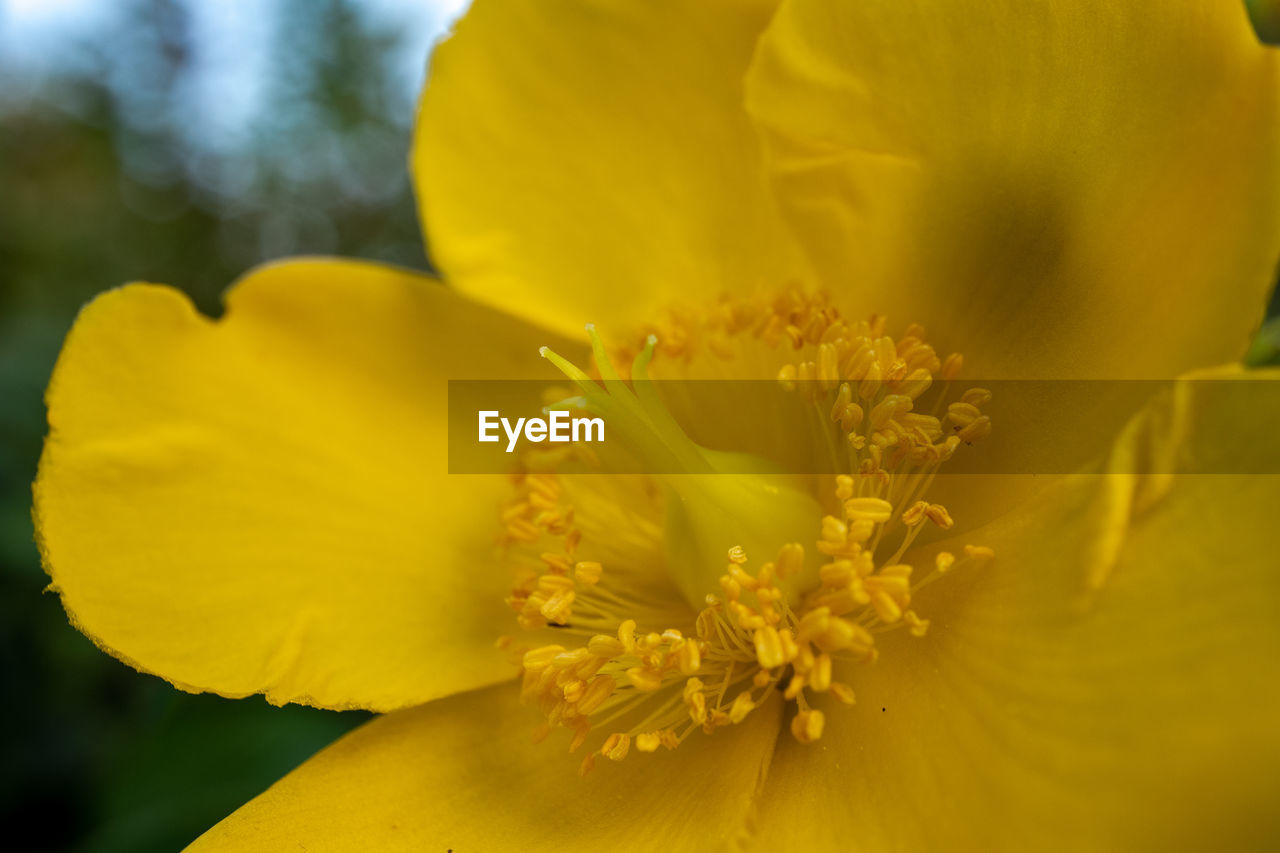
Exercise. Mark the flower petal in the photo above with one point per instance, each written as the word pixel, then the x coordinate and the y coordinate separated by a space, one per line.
pixel 1054 188
pixel 1110 681
pixel 463 774
pixel 592 162
pixel 260 503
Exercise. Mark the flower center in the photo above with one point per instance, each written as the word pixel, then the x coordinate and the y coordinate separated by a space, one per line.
pixel 620 657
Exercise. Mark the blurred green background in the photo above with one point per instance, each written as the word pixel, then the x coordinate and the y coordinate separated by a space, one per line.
pixel 178 141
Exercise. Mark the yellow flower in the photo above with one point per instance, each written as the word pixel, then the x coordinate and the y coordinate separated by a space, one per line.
pixel 1083 190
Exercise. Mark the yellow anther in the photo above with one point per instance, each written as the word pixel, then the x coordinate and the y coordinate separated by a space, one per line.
pixel 851 417
pixel 870 384
pixel 919 627
pixel 588 764
pixel 648 741
pixel 743 579
pixel 644 679
pixel 979 552
pixel 627 634
pixel 860 530
pixel 761 678
pixel 843 398
pixel 828 369
pixel 543 487
pixel 573 690
pixel 895 576
pixel 886 351
pixel 858 359
pixel 587 572
pixel 737 555
pixel 747 619
pixel 556 563
pixel 976 431
pixel 769 647
pixel 951 366
pixel 617 744
pixel 689 657
pixel 551 584
pixel 787 641
pixel 916 383
pixel 697 705
pixel 741 706
pixel 536 660
pixel 795 686
pixel 838 573
pixel 840 634
pixel 820 676
pixel 845 599
pixel 807 726
pixel 844 487
pixel 515 510
pixel 976 396
pixel 834 531
pixel 914 515
pixel 937 513
pixel 523 530
pixel 558 607
pixel 598 690
pixel 812 623
pixel 887 409
pixel 926 427
pixel 787 377
pixel 570 658
pixel 887 610
pixel 605 646
pixel 842 692
pixel 874 510
pixel 796 336
pixel 581 729
pixel 589 666
pixel 944 561
pixel 961 414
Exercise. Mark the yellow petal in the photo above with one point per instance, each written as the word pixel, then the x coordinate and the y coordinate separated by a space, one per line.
pixel 1054 188
pixel 1110 681
pixel 464 774
pixel 260 504
pixel 592 162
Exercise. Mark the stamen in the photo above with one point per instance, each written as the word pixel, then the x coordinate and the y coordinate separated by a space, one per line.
pixel 645 674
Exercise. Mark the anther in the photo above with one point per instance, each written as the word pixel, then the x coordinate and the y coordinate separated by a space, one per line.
pixel 807 726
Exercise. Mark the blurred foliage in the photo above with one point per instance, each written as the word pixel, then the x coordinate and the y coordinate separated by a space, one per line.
pixel 103 183
pixel 1266 19
pixel 1266 346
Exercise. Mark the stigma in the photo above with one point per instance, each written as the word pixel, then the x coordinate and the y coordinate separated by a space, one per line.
pixel 678 605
